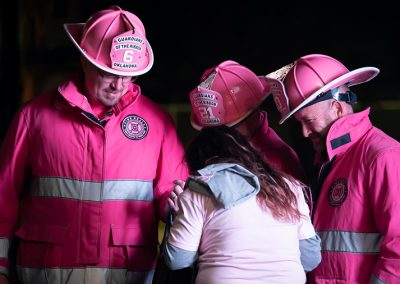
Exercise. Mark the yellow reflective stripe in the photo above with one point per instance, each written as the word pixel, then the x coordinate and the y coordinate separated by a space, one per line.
pixel 343 241
pixel 4 246
pixel 83 275
pixel 93 191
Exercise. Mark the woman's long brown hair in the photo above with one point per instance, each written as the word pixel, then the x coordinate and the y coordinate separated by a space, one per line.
pixel 223 144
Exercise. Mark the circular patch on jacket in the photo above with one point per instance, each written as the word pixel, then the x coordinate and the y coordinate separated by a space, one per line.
pixel 134 127
pixel 338 192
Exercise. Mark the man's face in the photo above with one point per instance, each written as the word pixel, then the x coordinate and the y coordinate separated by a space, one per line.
pixel 316 121
pixel 104 88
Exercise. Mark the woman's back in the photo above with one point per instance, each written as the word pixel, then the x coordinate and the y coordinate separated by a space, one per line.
pixel 239 219
pixel 243 242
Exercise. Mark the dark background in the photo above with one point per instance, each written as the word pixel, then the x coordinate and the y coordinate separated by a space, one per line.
pixel 188 37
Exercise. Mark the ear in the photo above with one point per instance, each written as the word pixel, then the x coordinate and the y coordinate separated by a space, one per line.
pixel 337 108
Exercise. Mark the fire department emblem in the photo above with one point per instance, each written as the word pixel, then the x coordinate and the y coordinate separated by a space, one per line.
pixel 338 192
pixel 134 127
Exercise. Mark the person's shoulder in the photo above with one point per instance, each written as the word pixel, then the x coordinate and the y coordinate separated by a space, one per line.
pixel 155 112
pixel 381 140
pixel 200 198
pixel 154 106
pixel 380 144
pixel 45 98
pixel 384 137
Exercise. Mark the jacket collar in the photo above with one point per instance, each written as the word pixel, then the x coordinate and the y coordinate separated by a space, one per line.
pixel 346 131
pixel 73 93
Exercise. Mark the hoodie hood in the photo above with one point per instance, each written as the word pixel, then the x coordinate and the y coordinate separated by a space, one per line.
pixel 230 184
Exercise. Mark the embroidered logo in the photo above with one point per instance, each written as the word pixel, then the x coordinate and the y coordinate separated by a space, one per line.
pixel 134 127
pixel 338 192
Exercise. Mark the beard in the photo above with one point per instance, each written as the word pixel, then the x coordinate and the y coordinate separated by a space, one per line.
pixel 318 143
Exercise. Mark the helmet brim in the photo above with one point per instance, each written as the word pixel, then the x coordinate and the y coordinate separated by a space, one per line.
pixel 355 77
pixel 74 31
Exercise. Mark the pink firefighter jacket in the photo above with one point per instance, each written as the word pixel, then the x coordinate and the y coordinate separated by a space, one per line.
pixel 81 192
pixel 357 214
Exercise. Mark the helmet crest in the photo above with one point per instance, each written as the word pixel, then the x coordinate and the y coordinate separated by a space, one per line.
pixel 114 40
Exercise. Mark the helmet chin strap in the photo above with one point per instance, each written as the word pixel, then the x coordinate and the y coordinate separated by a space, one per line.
pixel 349 97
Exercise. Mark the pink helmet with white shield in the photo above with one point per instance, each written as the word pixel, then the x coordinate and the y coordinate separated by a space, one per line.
pixel 114 40
pixel 310 77
pixel 226 95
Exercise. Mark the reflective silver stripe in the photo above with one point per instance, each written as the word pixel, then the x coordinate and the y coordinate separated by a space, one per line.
pixel 93 191
pixel 4 245
pixel 340 241
pixel 83 275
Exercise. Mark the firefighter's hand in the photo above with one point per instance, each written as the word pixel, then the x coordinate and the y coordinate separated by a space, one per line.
pixel 173 197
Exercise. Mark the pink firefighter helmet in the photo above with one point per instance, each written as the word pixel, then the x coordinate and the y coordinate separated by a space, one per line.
pixel 226 95
pixel 311 76
pixel 113 40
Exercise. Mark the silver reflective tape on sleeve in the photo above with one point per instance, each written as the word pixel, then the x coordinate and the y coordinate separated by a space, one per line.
pixel 4 246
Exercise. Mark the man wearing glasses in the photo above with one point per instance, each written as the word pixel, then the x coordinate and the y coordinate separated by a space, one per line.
pixel 86 170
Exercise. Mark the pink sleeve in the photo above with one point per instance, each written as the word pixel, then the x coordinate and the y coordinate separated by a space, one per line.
pixel 13 167
pixel 385 200
pixel 171 166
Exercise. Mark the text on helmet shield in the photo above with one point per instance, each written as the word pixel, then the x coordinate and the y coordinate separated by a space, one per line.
pixel 207 106
pixel 128 51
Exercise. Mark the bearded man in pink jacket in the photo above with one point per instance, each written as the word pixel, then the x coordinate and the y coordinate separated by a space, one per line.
pixel 86 170
pixel 356 188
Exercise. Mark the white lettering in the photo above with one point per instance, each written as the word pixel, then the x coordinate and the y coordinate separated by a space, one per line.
pixel 211 120
pixel 127 46
pixel 130 38
pixel 124 65
pixel 204 96
pixel 205 103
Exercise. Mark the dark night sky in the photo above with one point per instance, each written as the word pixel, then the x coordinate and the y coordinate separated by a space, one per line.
pixel 262 35
pixel 265 36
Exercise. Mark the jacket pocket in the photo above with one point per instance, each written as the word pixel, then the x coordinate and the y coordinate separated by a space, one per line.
pixel 41 245
pixel 133 247
pixel 129 236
